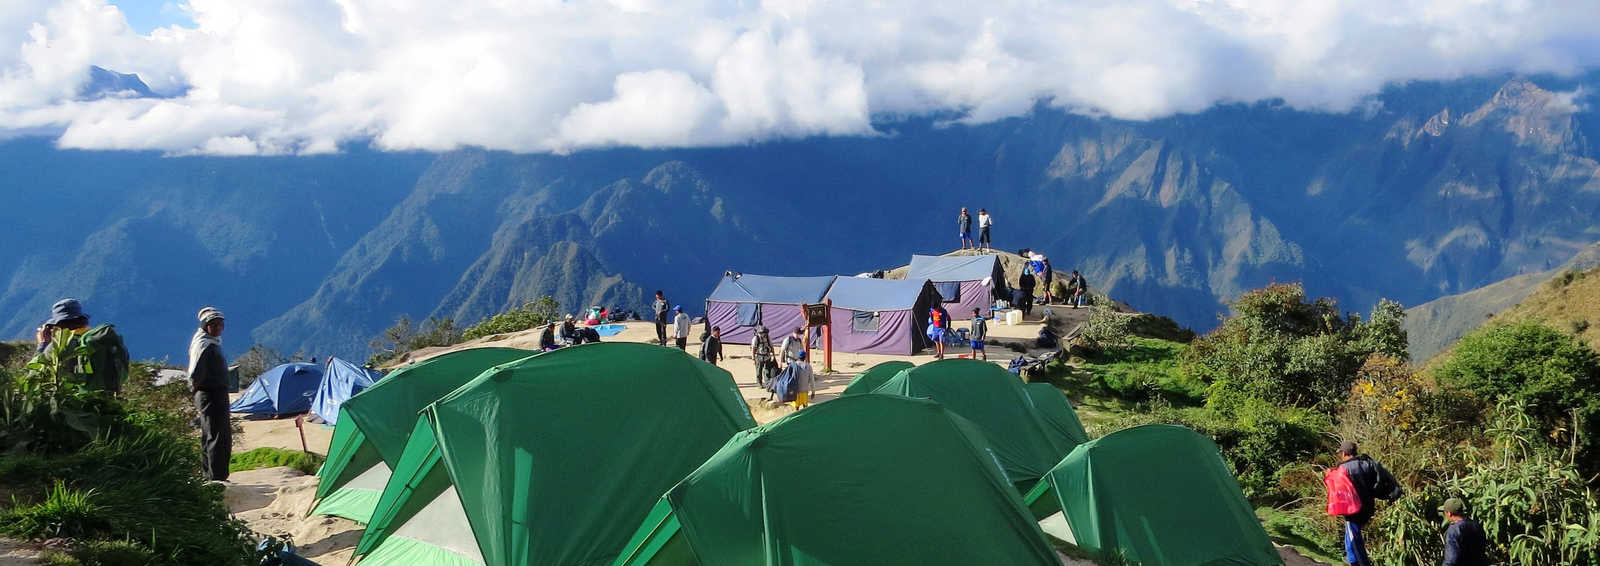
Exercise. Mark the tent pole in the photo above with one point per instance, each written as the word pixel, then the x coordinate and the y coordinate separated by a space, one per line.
pixel 827 339
pixel 300 424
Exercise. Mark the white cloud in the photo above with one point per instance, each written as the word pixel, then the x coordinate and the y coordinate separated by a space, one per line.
pixel 302 76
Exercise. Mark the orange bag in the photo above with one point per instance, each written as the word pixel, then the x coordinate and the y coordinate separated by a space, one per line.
pixel 1342 496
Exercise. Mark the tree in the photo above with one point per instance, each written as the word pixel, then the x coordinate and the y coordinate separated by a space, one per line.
pixel 1282 349
pixel 256 361
pixel 1386 333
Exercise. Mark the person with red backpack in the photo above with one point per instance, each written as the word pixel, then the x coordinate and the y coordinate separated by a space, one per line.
pixel 1354 486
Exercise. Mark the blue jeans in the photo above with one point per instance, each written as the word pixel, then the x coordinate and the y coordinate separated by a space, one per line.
pixel 1355 548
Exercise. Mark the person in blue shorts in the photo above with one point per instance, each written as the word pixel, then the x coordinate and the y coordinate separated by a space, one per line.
pixel 980 331
pixel 936 319
pixel 964 222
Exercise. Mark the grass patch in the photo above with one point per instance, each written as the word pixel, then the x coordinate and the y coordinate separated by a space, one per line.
pixel 1293 530
pixel 1145 370
pixel 260 458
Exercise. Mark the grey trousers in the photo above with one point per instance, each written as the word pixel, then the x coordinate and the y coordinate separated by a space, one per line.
pixel 216 433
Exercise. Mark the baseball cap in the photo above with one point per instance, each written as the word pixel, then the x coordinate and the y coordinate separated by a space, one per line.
pixel 1453 505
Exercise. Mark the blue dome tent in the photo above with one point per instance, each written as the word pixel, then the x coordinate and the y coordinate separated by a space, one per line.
pixel 340 382
pixel 283 390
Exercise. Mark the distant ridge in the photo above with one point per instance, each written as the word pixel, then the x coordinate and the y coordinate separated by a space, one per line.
pixel 1435 325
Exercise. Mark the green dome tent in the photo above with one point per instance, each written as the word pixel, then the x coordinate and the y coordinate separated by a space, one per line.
pixel 1057 412
pixel 996 401
pixel 1158 495
pixel 869 380
pixel 551 460
pixel 374 425
pixel 869 480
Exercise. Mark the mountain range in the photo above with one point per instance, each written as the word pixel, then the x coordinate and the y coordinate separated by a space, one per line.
pixel 1430 189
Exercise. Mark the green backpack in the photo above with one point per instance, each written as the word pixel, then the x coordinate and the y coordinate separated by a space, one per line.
pixel 106 365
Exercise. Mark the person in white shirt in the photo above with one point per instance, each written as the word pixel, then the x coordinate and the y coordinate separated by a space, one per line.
pixel 680 328
pixel 984 222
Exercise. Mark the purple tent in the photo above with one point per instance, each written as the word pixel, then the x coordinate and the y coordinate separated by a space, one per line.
pixel 881 316
pixel 741 302
pixel 965 282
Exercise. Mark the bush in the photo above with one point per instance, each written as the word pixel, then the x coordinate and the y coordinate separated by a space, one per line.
pixel 405 337
pixel 1106 330
pixel 46 408
pixel 1159 328
pixel 267 457
pixel 1554 374
pixel 530 315
pixel 1284 350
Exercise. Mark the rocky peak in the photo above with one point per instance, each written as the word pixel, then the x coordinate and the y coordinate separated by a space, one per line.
pixel 1532 115
pixel 1435 126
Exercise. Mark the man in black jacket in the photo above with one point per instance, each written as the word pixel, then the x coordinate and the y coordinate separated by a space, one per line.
pixel 1371 482
pixel 208 380
pixel 660 308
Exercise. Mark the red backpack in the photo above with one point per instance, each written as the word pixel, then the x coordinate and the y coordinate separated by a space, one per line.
pixel 1342 497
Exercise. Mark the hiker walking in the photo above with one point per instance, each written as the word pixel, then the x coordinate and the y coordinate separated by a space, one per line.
pixel 1369 481
pixel 711 347
pixel 938 320
pixel 979 332
pixel 805 380
pixel 765 358
pixel 208 381
pixel 1464 541
pixel 964 222
pixel 660 307
pixel 984 222
pixel 680 328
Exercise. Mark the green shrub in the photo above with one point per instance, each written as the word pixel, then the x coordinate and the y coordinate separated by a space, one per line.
pixel 404 337
pixel 267 457
pixel 1105 330
pixel 1284 350
pixel 529 315
pixel 1160 328
pixel 1554 374
pixel 114 553
pixel 64 512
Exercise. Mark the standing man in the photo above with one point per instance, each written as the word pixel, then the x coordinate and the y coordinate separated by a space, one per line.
pixel 984 222
pixel 1370 481
pixel 680 328
pixel 1079 289
pixel 660 306
pixel 764 356
pixel 208 380
pixel 711 348
pixel 106 365
pixel 1464 541
pixel 964 222
pixel 980 332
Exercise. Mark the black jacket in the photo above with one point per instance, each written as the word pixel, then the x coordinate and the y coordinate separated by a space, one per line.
pixel 211 374
pixel 1367 476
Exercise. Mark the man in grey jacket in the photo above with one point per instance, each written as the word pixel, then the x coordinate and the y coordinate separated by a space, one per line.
pixel 208 380
pixel 660 308
pixel 680 328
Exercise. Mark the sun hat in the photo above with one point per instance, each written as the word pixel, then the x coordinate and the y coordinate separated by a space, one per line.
pixel 65 310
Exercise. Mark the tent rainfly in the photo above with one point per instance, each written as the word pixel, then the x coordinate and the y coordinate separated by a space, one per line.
pixel 742 302
pixel 1057 411
pixel 872 479
pixel 341 380
pixel 552 459
pixel 965 282
pixel 283 390
pixel 374 426
pixel 1158 495
pixel 881 316
pixel 869 380
pixel 998 403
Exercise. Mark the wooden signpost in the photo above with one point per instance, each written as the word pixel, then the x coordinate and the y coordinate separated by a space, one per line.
pixel 819 315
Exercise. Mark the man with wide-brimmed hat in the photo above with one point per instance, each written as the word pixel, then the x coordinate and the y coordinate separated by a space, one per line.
pixel 208 380
pixel 66 314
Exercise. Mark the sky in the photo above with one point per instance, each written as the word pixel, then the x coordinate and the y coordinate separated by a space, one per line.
pixel 249 77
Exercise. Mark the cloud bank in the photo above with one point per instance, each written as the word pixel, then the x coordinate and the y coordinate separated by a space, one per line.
pixel 303 76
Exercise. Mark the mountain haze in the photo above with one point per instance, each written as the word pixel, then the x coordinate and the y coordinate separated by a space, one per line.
pixel 1432 189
